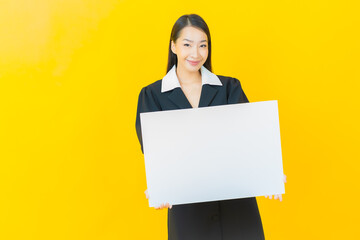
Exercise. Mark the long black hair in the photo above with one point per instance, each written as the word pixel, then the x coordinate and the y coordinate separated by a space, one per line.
pixel 193 20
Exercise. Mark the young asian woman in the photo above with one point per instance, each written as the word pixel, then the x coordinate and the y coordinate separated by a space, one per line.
pixel 190 83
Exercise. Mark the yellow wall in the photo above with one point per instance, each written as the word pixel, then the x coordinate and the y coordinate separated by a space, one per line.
pixel 70 74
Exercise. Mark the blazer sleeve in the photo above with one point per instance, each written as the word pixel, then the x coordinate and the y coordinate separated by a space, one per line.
pixel 236 93
pixel 146 103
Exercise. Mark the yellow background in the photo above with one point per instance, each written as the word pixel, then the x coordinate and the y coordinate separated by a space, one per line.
pixel 70 74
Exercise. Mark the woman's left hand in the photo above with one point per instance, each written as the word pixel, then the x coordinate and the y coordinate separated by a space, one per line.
pixel 277 196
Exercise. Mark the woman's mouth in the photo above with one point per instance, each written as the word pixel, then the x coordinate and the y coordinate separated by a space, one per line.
pixel 193 63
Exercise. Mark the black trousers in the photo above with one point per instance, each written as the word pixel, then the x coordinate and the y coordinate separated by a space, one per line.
pixel 218 220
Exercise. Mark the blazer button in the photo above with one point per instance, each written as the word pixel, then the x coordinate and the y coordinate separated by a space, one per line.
pixel 215 217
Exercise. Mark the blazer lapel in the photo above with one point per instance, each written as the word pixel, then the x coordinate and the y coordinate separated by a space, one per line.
pixel 178 97
pixel 208 92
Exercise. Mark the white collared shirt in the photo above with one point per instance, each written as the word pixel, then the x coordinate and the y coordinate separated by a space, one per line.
pixel 170 81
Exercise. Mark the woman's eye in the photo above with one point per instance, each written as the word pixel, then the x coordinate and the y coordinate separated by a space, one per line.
pixel 186 44
pixel 204 45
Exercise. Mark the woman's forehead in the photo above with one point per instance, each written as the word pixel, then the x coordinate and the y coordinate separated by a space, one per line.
pixel 192 34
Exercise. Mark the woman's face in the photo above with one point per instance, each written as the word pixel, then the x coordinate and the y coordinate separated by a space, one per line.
pixel 191 49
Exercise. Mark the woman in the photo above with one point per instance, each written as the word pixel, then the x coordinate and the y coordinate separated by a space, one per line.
pixel 190 83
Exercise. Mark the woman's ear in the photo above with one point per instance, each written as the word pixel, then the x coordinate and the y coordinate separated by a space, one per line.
pixel 173 49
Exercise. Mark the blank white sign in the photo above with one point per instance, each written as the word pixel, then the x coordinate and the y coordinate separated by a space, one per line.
pixel 212 153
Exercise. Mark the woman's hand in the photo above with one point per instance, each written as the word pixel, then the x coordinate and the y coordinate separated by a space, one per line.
pixel 277 196
pixel 166 205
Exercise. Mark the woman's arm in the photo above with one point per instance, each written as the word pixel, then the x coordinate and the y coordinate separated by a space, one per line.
pixel 146 103
pixel 237 95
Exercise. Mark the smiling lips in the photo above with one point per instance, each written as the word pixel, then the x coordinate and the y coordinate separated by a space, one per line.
pixel 193 63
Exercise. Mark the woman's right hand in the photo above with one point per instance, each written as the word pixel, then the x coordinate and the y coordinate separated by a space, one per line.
pixel 164 205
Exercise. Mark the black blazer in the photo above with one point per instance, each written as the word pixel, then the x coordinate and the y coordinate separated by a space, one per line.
pixel 229 219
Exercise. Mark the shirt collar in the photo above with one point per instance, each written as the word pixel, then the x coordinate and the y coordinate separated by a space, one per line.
pixel 170 81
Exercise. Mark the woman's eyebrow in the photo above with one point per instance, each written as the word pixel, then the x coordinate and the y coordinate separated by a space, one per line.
pixel 192 41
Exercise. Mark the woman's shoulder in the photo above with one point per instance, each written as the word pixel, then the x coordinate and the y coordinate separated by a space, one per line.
pixel 151 89
pixel 228 81
pixel 149 97
pixel 233 89
pixel 153 86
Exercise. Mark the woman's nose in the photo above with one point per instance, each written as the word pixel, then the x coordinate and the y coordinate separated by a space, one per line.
pixel 195 52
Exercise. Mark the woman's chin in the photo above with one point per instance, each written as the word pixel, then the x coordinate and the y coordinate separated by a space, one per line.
pixel 191 68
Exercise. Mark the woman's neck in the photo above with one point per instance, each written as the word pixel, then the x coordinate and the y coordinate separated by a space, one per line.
pixel 186 77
